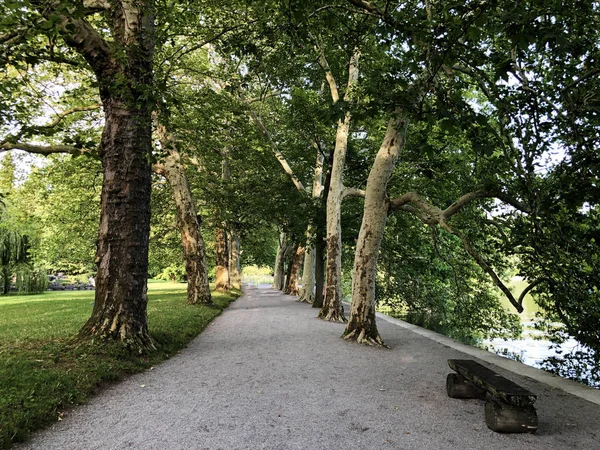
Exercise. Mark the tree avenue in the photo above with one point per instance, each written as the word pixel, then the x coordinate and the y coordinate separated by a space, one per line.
pixel 427 152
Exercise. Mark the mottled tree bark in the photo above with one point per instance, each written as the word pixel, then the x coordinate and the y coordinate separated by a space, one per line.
pixel 122 256
pixel 319 271
pixel 289 259
pixel 361 325
pixel 235 276
pixel 320 247
pixel 279 273
pixel 308 271
pixel 198 290
pixel 294 272
pixel 223 282
pixel 332 309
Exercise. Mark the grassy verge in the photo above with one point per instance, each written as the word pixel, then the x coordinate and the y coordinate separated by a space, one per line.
pixel 43 371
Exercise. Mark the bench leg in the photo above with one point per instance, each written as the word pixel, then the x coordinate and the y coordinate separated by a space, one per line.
pixel 458 386
pixel 504 418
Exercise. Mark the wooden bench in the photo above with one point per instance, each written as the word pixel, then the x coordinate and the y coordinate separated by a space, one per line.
pixel 508 408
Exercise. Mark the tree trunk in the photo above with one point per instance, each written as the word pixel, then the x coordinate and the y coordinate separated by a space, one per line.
pixel 361 325
pixel 320 246
pixel 308 272
pixel 222 270
pixel 123 66
pixel 332 309
pixel 289 256
pixel 235 276
pixel 223 282
pixel 292 284
pixel 319 271
pixel 122 256
pixel 198 290
pixel 279 273
pixel 6 279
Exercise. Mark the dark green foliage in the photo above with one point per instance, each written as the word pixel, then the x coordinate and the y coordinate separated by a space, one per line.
pixel 430 281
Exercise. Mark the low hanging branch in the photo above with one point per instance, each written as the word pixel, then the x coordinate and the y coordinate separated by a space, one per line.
pixel 43 149
pixel 529 288
pixel 432 215
pixel 483 264
pixel 14 142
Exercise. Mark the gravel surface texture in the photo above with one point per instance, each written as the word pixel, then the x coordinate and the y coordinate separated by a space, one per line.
pixel 267 374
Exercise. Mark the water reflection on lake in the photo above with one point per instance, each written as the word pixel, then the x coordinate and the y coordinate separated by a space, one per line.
pixel 529 350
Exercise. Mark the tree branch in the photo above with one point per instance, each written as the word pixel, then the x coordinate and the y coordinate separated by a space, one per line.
pixel 432 215
pixel 36 129
pixel 369 6
pixel 352 74
pixel 96 4
pixel 183 51
pixel 43 149
pixel 520 75
pixel 483 264
pixel 583 77
pixel 159 168
pixel 79 34
pixel 328 75
pixel 529 288
pixel 455 207
pixel 429 214
pixel 352 192
pixel 286 167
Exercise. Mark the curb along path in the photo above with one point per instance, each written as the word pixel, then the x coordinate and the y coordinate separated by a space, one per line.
pixel 267 374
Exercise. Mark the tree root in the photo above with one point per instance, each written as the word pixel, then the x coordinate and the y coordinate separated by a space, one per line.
pixel 134 343
pixel 306 298
pixel 332 316
pixel 359 335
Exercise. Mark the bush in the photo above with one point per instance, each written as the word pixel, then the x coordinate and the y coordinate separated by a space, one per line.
pixel 173 273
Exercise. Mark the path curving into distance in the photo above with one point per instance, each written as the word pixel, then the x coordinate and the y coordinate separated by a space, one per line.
pixel 267 374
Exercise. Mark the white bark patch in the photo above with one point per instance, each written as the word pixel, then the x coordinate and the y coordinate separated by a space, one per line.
pixel 131 14
pixel 102 4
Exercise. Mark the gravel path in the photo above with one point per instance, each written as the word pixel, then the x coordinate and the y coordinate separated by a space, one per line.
pixel 267 374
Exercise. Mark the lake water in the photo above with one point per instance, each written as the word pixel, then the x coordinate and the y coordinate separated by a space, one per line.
pixel 529 350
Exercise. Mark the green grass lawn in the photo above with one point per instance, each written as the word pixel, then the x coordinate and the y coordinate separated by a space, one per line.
pixel 44 371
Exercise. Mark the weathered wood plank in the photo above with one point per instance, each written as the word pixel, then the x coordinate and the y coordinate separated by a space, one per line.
pixel 458 386
pixel 495 384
